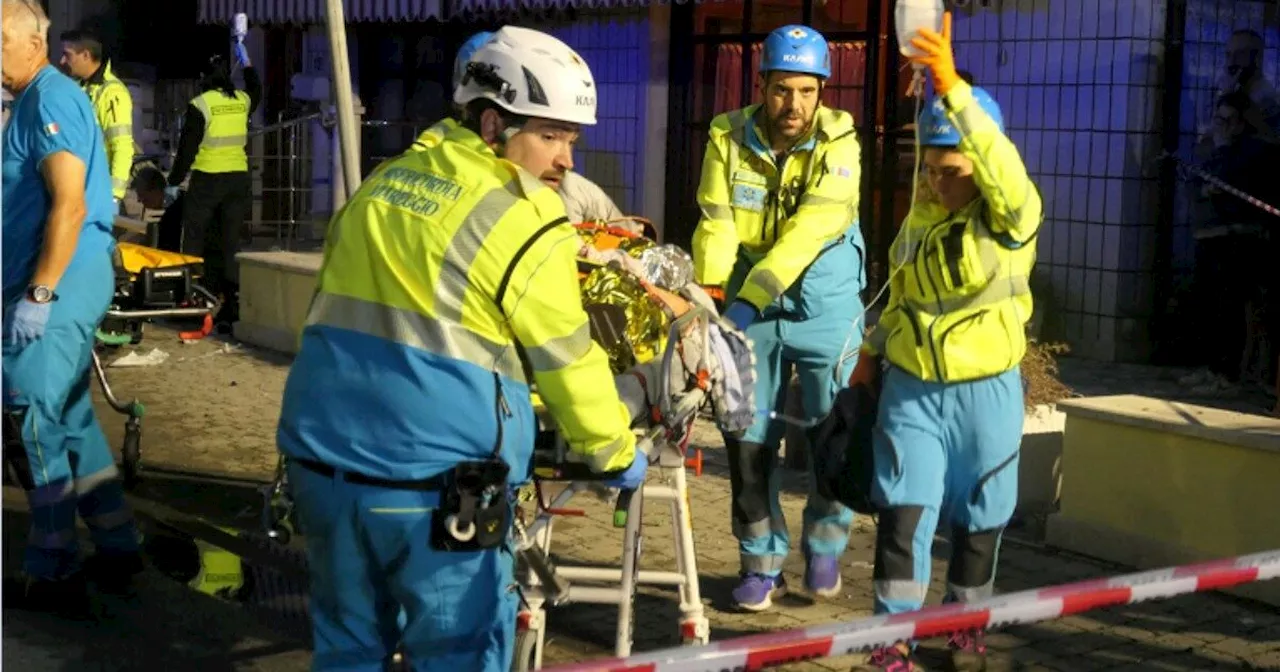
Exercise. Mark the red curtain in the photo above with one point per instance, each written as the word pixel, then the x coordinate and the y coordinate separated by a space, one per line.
pixel 844 90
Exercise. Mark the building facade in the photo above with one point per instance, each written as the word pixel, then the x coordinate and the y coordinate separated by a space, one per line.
pixel 1094 93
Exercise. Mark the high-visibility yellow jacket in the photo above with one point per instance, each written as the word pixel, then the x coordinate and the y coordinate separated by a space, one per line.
pixel 958 307
pixel 434 134
pixel 226 130
pixel 772 218
pixel 449 283
pixel 113 106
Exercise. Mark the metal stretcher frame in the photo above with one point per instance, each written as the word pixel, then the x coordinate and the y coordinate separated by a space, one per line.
pixel 133 410
pixel 544 583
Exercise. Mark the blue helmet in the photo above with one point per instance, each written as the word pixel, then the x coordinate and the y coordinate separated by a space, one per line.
pixel 799 49
pixel 936 129
pixel 465 52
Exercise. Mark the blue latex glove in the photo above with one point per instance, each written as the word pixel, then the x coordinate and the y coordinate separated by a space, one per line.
pixel 633 477
pixel 741 314
pixel 242 55
pixel 26 322
pixel 170 195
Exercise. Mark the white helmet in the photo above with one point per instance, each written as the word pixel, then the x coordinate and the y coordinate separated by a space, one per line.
pixel 531 74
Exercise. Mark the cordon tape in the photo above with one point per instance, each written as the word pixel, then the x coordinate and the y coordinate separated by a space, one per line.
pixel 758 652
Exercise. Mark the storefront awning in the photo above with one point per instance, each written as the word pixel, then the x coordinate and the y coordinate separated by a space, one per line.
pixel 312 11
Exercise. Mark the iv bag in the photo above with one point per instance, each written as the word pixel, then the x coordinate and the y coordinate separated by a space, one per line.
pixel 910 16
pixel 240 26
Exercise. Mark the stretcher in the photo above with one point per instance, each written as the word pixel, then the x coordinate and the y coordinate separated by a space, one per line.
pixel 149 284
pixel 663 435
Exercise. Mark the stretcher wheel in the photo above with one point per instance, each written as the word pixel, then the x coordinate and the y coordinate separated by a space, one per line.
pixel 131 456
pixel 526 658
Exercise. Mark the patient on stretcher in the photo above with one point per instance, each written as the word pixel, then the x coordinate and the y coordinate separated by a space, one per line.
pixel 633 290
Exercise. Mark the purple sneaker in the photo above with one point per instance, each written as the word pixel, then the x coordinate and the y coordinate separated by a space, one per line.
pixel 822 576
pixel 756 592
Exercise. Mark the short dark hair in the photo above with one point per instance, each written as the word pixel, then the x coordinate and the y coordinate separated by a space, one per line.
pixel 473 110
pixel 85 40
pixel 149 178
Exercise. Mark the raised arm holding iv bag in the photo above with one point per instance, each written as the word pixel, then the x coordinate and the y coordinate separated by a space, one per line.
pixel 240 29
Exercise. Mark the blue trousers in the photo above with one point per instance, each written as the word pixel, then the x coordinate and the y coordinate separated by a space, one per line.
pixel 810 348
pixel 377 583
pixel 943 449
pixel 47 383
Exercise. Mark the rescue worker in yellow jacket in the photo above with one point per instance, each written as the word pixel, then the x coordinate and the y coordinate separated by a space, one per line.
pixel 448 289
pixel 84 58
pixel 211 149
pixel 951 407
pixel 779 232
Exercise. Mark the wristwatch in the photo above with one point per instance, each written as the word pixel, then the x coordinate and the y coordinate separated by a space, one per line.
pixel 40 294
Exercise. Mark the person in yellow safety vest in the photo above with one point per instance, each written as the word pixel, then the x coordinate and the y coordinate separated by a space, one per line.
pixel 211 149
pixel 780 234
pixel 447 291
pixel 950 414
pixel 83 57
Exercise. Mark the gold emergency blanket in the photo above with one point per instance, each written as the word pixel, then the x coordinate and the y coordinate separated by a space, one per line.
pixel 646 321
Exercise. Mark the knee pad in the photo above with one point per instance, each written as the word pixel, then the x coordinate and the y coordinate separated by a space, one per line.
pixel 973 557
pixel 895 542
pixel 17 464
pixel 749 479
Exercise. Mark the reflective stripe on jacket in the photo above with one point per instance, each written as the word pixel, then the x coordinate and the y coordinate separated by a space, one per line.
pixel 449 283
pixel 226 130
pixel 780 213
pixel 113 106
pixel 958 308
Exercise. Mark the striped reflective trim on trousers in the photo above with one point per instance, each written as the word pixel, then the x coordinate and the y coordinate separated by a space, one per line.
pixel 761 564
pixel 900 591
pixel 759 528
pixel 972 593
pixel 414 330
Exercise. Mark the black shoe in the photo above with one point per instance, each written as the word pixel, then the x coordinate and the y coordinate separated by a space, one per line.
pixel 67 597
pixel 112 573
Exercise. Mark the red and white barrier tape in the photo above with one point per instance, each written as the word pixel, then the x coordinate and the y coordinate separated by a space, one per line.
pixel 1216 182
pixel 758 652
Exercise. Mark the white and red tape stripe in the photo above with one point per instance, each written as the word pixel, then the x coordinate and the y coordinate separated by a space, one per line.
pixel 837 639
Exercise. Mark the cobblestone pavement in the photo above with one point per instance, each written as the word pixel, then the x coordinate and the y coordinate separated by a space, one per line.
pixel 213 407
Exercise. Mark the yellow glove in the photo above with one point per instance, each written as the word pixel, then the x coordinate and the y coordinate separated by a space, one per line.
pixel 937 55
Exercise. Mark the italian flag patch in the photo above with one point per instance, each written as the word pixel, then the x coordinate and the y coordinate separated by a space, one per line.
pixel 51 128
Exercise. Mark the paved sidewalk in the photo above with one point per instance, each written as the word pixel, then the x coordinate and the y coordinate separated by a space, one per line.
pixel 1196 632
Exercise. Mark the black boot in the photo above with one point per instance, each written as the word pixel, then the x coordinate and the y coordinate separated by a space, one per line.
pixel 112 573
pixel 67 597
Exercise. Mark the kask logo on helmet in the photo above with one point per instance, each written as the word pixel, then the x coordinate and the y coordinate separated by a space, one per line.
pixel 803 59
pixel 584 101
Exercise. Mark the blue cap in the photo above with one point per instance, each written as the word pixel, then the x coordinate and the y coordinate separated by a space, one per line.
pixel 468 49
pixel 935 128
pixel 799 49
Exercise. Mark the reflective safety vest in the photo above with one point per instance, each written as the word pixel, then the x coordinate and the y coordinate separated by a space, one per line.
pixel 221 571
pixel 226 130
pixel 958 308
pixel 773 217
pixel 113 106
pixel 449 284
